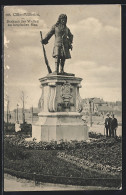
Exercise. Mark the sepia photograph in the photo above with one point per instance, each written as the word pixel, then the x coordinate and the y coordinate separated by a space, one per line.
pixel 62 97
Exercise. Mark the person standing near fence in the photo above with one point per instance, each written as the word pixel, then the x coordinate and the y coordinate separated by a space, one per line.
pixel 114 126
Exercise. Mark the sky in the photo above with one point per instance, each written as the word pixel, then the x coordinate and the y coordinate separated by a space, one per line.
pixel 96 54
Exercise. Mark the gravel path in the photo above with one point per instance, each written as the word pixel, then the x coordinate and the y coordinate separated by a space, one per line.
pixel 100 129
pixel 12 183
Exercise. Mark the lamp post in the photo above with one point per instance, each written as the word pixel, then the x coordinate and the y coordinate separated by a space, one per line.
pixel 17 112
pixel 90 113
pixel 23 111
pixel 32 113
pixel 7 112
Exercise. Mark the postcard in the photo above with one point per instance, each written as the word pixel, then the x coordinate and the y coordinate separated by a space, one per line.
pixel 62 97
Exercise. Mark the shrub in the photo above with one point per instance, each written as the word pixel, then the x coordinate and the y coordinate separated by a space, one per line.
pixel 95 135
pixel 26 128
pixel 9 128
pixel 19 141
pixel 12 150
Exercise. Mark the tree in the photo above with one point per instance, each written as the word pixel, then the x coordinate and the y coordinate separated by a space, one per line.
pixel 23 110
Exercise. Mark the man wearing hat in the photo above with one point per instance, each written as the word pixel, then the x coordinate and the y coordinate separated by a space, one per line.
pixel 108 125
pixel 114 126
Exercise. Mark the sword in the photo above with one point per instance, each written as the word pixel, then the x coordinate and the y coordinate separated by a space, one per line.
pixel 45 57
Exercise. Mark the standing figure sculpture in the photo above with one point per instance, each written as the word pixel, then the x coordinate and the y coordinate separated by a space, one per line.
pixel 63 42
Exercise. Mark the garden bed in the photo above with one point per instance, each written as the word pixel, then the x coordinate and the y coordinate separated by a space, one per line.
pixel 40 161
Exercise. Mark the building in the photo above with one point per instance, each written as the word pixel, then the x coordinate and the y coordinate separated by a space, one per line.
pixel 119 103
pixel 92 105
pixel 104 109
pixel 30 115
pixel 98 106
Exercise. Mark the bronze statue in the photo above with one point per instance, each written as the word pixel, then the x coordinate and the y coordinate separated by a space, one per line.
pixel 63 42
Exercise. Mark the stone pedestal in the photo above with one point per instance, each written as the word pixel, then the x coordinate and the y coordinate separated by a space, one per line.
pixel 59 104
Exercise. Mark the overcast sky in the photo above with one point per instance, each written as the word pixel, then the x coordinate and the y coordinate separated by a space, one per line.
pixel 96 54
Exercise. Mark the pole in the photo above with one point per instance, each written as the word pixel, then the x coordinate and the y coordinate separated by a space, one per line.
pixel 17 112
pixel 7 112
pixel 32 114
pixel 23 113
pixel 90 114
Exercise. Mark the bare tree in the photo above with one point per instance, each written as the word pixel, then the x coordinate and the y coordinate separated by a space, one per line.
pixel 23 108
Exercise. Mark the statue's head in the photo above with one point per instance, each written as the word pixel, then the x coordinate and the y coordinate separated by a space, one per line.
pixel 62 19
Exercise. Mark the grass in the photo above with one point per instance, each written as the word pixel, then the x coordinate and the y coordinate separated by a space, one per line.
pixel 47 163
pixel 24 162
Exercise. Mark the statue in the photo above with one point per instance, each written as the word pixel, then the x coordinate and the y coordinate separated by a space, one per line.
pixel 63 42
pixel 60 99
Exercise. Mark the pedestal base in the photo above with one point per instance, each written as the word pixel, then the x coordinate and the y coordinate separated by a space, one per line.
pixel 65 126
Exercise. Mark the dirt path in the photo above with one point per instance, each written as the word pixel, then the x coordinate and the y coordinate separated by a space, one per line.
pixel 100 129
pixel 12 183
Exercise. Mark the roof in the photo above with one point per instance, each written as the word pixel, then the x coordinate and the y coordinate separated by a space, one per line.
pixel 105 108
pixel 98 101
pixel 94 100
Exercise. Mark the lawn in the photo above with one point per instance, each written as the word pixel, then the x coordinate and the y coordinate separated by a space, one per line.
pixel 43 163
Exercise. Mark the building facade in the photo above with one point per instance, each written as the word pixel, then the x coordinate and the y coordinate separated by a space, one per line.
pixel 30 115
pixel 98 106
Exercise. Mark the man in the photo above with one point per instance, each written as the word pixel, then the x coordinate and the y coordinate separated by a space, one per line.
pixel 63 42
pixel 114 126
pixel 110 131
pixel 108 125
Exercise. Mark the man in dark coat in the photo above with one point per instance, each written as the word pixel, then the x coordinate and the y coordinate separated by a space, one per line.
pixel 114 125
pixel 108 125
pixel 63 42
